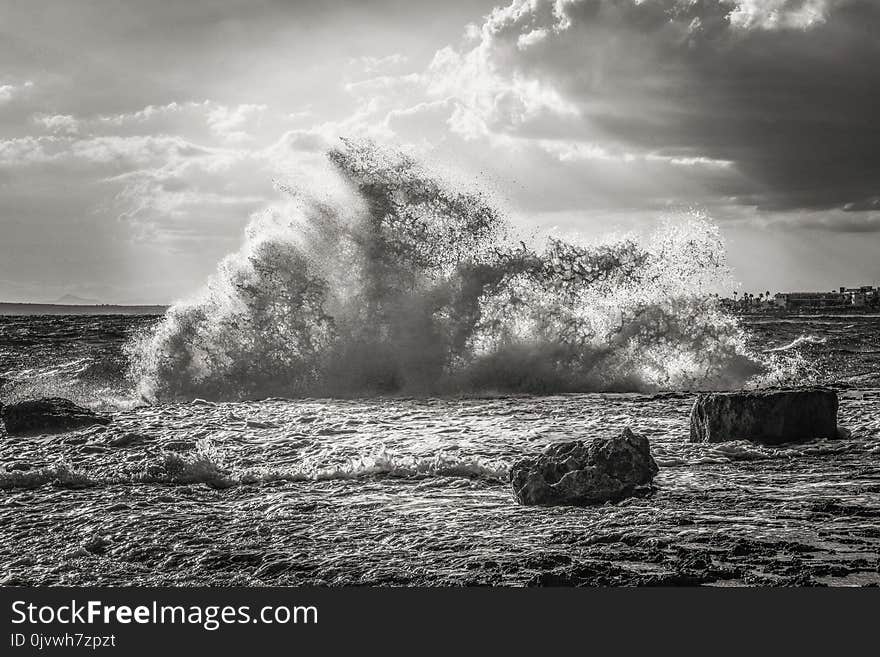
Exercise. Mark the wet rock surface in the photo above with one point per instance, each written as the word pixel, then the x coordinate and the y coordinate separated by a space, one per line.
pixel 769 417
pixel 47 415
pixel 580 473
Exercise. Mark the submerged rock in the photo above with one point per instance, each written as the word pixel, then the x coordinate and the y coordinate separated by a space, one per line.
pixel 769 417
pixel 48 415
pixel 585 472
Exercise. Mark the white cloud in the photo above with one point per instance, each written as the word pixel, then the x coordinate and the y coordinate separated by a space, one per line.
pixel 151 113
pixel 294 142
pixel 135 151
pixel 523 41
pixel 383 84
pixel 20 151
pixel 9 91
pixel 58 123
pixel 426 114
pixel 230 123
pixel 375 64
pixel 471 32
pixel 490 100
pixel 778 14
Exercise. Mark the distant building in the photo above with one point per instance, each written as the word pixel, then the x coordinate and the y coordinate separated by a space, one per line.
pixel 793 300
pixel 860 296
pixel 845 297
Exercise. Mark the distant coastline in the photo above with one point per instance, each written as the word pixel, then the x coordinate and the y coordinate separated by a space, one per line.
pixel 804 312
pixel 7 308
pixel 20 309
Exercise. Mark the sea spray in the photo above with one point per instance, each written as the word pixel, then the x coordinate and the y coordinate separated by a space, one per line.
pixel 398 282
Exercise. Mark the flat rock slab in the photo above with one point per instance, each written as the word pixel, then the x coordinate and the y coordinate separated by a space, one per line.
pixel 769 417
pixel 579 472
pixel 48 415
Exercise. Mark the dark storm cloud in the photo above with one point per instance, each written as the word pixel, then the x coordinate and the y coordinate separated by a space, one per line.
pixel 796 108
pixel 788 91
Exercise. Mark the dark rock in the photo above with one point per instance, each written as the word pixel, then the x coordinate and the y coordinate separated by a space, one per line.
pixel 769 417
pixel 585 472
pixel 49 415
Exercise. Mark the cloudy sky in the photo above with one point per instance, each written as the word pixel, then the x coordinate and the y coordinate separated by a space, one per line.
pixel 136 138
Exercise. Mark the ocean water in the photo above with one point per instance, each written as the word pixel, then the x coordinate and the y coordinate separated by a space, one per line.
pixel 405 491
pixel 343 400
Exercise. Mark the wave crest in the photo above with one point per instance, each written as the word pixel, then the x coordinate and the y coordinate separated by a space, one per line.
pixel 396 282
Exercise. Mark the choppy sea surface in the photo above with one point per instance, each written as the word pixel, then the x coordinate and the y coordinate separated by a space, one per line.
pixel 413 491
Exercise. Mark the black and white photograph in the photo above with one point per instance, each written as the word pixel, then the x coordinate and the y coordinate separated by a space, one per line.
pixel 408 294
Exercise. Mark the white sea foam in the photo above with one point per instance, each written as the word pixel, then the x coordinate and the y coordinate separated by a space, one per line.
pixel 59 474
pixel 386 463
pixel 800 341
pixel 392 281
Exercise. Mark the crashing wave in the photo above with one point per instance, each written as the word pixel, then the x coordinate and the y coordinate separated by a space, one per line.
pixel 798 342
pixel 396 282
pixel 206 465
pixel 59 474
pixel 387 464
